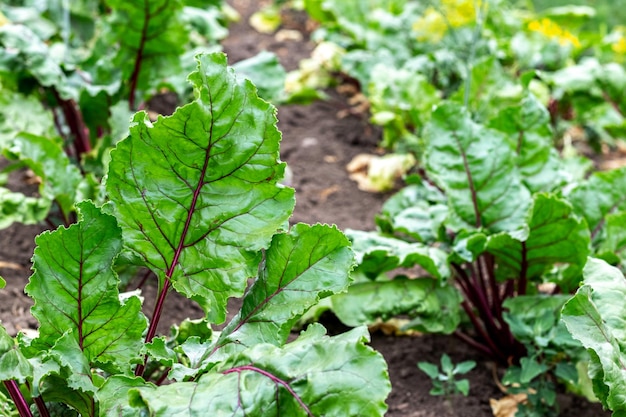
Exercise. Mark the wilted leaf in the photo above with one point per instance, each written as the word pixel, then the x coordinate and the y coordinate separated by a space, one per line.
pixel 507 406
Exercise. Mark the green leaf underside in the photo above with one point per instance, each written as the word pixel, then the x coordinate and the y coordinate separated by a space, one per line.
pixel 602 194
pixel 555 236
pixel 417 211
pixel 615 233
pixel 437 308
pixel 528 127
pixel 17 207
pixel 75 291
pixel 220 177
pixel 14 119
pixel 312 376
pixel 377 254
pixel 596 316
pixel 13 364
pixel 476 168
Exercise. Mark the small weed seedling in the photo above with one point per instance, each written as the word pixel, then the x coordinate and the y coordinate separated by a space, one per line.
pixel 445 382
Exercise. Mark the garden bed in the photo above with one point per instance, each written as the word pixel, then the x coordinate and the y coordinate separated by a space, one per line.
pixel 317 144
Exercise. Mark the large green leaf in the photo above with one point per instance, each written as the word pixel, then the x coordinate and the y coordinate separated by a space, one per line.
pixel 556 236
pixel 73 382
pixel 527 126
pixel 596 316
pixel 197 213
pixel 75 290
pixel 415 213
pixel 308 263
pixel 313 376
pixel 476 168
pixel 113 396
pixel 535 321
pixel 490 87
pixel 401 101
pixel 151 35
pixel 433 308
pixel 361 20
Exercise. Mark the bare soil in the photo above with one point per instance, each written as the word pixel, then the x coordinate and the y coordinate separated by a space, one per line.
pixel 317 145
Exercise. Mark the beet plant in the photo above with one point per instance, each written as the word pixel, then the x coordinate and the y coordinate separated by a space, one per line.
pixel 492 237
pixel 80 70
pixel 196 198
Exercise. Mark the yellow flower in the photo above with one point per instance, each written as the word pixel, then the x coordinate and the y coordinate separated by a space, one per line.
pixel 435 22
pixel 430 27
pixel 3 20
pixel 617 39
pixel 552 30
pixel 459 12
pixel 567 37
pixel 619 47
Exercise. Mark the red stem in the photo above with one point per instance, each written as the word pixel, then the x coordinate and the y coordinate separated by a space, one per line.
pixel 41 406
pixel 163 377
pixel 476 294
pixel 473 343
pixel 487 262
pixel 521 286
pixel 154 321
pixel 74 119
pixel 158 308
pixel 481 291
pixel 134 78
pixel 18 398
pixel 144 279
pixel 470 183
pixel 494 350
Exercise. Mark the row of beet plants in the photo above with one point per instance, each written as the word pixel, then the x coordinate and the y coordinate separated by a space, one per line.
pixel 194 198
pixel 501 219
